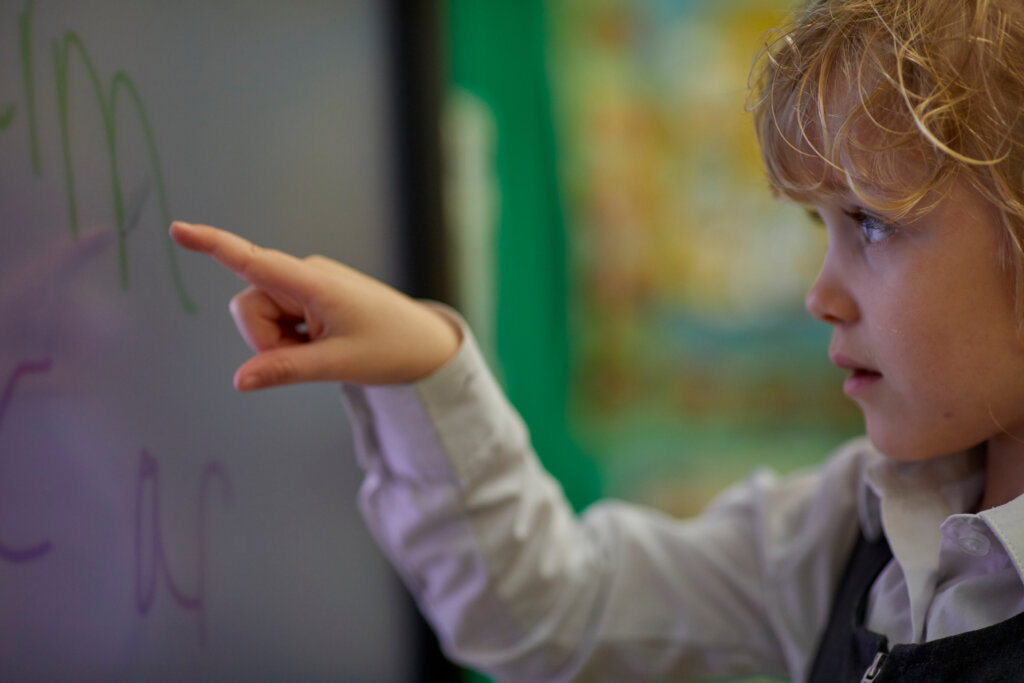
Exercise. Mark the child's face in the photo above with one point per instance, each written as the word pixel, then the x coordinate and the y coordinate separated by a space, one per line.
pixel 923 317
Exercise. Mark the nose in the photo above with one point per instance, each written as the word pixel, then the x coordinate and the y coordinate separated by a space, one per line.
pixel 829 299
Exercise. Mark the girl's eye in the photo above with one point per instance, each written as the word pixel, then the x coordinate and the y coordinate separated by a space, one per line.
pixel 872 229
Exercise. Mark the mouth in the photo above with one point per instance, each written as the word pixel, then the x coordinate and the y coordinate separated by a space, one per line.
pixel 861 377
pixel 859 380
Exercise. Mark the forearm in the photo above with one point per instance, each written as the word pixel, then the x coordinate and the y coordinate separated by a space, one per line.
pixel 481 534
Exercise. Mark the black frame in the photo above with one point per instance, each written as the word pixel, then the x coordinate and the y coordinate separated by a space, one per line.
pixel 416 39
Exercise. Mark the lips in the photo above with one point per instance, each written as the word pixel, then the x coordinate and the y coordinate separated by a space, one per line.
pixel 862 376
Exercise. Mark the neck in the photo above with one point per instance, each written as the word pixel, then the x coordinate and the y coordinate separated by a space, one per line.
pixel 1004 470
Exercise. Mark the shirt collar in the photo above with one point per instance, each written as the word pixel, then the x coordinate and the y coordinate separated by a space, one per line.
pixel 957 481
pixel 912 500
pixel 1007 522
pixel 950 485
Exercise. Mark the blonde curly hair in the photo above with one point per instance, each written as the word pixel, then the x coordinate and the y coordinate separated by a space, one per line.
pixel 894 100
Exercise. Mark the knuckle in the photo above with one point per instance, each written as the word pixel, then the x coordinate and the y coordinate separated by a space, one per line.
pixel 251 262
pixel 259 260
pixel 321 263
pixel 280 370
pixel 325 264
pixel 241 302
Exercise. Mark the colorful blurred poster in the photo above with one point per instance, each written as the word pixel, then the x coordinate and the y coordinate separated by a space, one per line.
pixel 693 360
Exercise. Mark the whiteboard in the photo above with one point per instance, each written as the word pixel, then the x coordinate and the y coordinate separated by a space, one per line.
pixel 154 524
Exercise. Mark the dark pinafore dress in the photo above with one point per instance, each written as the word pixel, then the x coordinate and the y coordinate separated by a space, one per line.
pixel 850 653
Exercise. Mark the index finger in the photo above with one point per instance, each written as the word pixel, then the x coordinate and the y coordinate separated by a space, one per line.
pixel 267 268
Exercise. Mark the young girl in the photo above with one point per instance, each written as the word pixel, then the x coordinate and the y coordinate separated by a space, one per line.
pixel 899 124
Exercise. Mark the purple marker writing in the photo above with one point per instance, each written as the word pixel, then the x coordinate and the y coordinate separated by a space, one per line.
pixel 19 555
pixel 146 576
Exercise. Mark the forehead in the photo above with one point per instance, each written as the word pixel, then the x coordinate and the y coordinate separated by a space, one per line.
pixel 839 149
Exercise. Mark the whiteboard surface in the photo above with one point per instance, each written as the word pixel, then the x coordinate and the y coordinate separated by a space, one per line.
pixel 155 524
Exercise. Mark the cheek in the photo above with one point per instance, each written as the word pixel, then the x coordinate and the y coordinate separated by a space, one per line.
pixel 948 322
pixel 911 336
pixel 951 389
pixel 938 353
pixel 951 358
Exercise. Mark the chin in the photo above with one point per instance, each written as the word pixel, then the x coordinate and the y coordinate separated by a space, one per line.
pixel 903 445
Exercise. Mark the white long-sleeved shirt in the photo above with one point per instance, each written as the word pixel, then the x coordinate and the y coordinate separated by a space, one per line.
pixel 519 587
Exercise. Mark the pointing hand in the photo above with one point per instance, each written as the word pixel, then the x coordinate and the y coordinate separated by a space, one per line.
pixel 315 319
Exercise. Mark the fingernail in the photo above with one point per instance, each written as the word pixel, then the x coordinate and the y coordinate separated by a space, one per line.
pixel 249 382
pixel 183 224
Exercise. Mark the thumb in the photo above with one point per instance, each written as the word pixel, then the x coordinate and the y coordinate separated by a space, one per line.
pixel 285 365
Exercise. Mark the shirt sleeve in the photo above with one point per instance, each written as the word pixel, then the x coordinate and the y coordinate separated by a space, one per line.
pixel 519 587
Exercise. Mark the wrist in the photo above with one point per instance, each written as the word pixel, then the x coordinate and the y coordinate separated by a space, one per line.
pixel 448 334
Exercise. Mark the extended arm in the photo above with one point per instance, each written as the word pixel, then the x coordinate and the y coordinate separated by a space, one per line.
pixel 514 583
